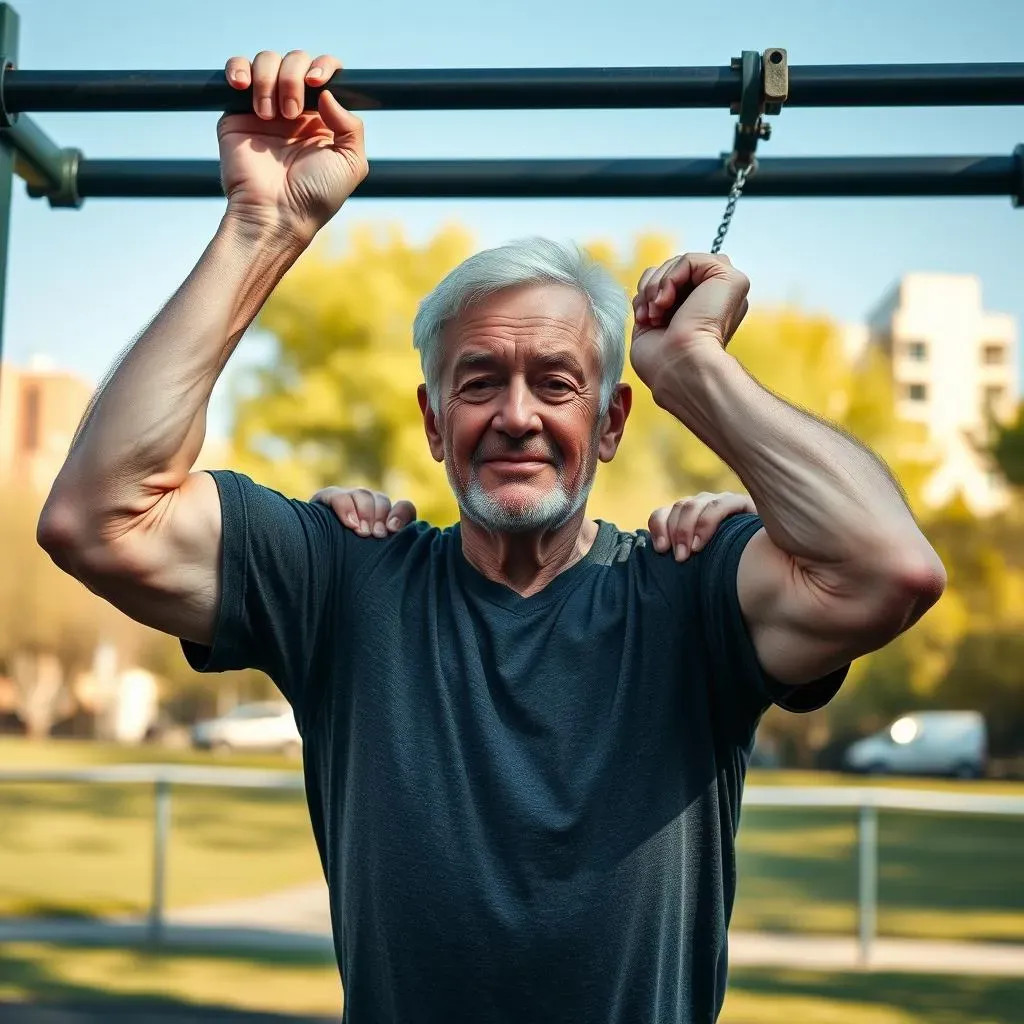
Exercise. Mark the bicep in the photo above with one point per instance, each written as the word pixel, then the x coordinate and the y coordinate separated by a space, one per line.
pixel 164 569
pixel 802 629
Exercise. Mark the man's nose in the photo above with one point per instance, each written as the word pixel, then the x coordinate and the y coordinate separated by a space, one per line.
pixel 518 414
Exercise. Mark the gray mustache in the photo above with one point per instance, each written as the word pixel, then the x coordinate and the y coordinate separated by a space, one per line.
pixel 527 449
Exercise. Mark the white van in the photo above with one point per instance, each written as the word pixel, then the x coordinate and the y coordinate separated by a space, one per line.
pixel 925 743
pixel 266 725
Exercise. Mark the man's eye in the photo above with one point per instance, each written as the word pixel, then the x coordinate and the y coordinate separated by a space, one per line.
pixel 480 384
pixel 555 384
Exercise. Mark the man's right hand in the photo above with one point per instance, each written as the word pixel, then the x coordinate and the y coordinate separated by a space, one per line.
pixel 368 513
pixel 282 167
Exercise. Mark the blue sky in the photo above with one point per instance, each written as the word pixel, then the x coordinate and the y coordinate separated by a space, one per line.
pixel 82 283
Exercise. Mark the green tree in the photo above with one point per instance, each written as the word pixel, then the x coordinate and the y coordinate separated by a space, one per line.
pixel 1006 446
pixel 336 403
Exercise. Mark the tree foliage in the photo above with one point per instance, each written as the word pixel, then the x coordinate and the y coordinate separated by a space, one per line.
pixel 337 403
pixel 1006 447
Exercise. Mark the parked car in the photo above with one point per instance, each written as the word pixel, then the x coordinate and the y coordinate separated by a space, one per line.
pixel 925 743
pixel 267 725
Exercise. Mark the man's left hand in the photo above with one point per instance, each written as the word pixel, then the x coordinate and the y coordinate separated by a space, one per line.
pixel 689 304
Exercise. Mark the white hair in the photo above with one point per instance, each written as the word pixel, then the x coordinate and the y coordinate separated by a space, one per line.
pixel 528 261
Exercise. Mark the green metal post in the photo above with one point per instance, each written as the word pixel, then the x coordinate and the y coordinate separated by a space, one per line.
pixel 8 56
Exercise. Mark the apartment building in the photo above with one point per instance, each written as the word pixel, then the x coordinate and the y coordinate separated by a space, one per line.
pixel 953 362
pixel 40 409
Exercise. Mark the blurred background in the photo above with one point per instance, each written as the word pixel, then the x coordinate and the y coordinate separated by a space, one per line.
pixel 880 877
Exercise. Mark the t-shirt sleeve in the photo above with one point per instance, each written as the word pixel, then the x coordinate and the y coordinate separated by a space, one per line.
pixel 742 690
pixel 282 563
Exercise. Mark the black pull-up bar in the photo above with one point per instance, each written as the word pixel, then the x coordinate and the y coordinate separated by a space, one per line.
pixel 751 86
pixel 853 85
pixel 544 179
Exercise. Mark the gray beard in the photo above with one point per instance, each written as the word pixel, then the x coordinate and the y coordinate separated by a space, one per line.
pixel 550 512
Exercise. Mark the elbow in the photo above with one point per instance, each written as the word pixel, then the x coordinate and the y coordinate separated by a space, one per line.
pixel 58 528
pixel 917 579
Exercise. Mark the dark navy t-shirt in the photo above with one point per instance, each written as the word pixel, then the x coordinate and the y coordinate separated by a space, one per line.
pixel 526 808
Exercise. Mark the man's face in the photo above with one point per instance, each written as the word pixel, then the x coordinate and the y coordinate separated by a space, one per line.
pixel 518 426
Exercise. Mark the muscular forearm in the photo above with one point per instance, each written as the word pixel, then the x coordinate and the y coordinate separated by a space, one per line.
pixel 824 499
pixel 146 426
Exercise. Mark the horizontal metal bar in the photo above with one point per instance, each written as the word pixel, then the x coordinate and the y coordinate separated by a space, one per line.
pixel 852 85
pixel 541 179
pixel 885 797
pixel 37 156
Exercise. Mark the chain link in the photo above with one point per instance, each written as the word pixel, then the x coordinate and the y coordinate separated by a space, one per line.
pixel 730 207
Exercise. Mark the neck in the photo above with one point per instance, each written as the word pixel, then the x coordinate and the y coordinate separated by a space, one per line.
pixel 526 562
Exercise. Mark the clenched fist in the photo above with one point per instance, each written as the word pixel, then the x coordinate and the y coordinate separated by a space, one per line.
pixel 692 302
pixel 282 167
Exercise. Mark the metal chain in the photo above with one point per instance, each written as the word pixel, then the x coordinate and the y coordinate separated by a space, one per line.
pixel 730 207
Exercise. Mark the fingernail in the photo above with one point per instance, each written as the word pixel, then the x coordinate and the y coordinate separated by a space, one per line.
pixel 291 108
pixel 379 531
pixel 239 76
pixel 364 526
pixel 660 543
pixel 265 108
pixel 696 545
pixel 680 551
pixel 315 73
pixel 352 520
pixel 393 523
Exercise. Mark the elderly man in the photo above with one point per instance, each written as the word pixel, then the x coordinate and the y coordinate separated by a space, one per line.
pixel 526 735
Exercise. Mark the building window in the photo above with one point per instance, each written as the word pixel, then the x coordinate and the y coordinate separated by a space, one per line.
pixel 30 418
pixel 993 354
pixel 917 351
pixel 915 392
pixel 993 396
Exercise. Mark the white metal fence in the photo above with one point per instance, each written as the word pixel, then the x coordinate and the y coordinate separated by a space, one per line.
pixel 867 800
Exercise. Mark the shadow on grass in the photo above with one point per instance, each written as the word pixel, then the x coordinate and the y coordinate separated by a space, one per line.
pixel 941 999
pixel 54 911
pixel 51 999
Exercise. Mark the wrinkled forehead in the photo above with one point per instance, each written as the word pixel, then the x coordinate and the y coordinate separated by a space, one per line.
pixel 537 324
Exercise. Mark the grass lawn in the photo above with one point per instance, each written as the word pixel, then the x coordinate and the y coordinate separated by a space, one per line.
pixel 80 849
pixel 307 984
pixel 87 849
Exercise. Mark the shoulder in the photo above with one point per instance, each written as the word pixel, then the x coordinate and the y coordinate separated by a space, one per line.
pixel 631 554
pixel 703 574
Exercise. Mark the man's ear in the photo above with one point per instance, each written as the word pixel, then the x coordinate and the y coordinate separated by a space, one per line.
pixel 614 422
pixel 434 439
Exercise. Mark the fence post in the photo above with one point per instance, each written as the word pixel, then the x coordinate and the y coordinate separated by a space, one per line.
pixel 867 883
pixel 161 830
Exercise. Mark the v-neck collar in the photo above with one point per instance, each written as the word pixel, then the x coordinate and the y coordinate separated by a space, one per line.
pixel 506 597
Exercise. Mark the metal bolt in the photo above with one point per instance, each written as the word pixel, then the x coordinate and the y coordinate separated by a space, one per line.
pixel 764 130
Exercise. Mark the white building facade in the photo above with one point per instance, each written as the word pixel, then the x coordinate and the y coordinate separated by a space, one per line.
pixel 951 361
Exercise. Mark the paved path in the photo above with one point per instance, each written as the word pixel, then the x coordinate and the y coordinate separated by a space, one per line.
pixel 299 919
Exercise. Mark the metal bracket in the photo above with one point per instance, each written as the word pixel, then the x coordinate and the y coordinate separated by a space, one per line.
pixel 764 89
pixel 65 195
pixel 7 119
pixel 1018 167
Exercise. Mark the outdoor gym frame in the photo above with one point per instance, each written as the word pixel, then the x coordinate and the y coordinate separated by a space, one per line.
pixel 752 86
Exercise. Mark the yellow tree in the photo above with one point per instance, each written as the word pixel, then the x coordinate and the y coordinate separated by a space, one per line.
pixel 337 402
